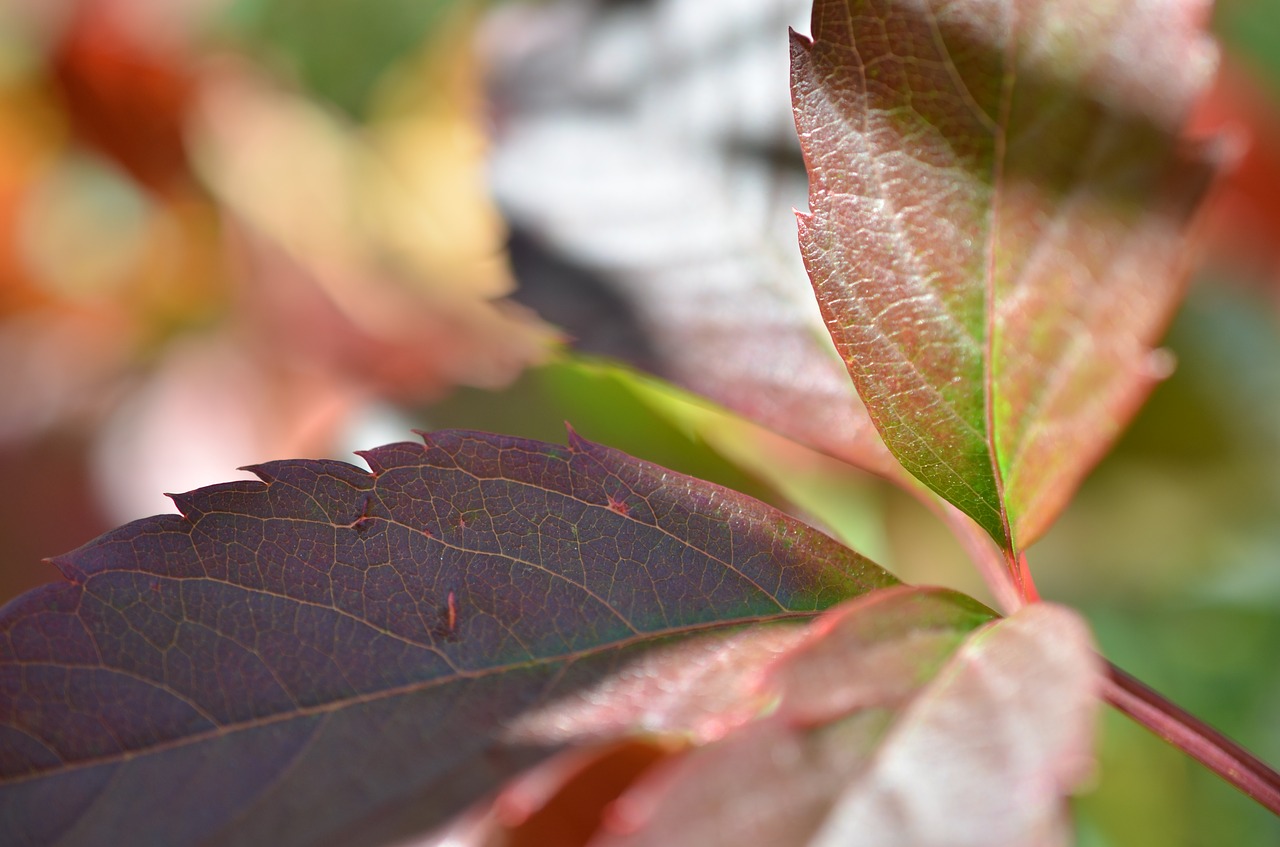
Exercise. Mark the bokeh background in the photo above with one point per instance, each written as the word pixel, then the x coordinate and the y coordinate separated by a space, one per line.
pixel 240 230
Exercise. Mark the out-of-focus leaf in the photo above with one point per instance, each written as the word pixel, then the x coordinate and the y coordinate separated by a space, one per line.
pixel 988 752
pixel 340 49
pixel 876 652
pixel 127 81
pixel 999 204
pixel 651 148
pixel 309 197
pixel 1244 210
pixel 980 748
pixel 560 802
pixel 314 655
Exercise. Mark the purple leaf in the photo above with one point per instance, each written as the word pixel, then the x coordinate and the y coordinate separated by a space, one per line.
pixel 332 654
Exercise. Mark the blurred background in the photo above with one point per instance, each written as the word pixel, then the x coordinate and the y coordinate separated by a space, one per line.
pixel 241 230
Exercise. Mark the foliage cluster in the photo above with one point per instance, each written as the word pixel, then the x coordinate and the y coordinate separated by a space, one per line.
pixel 490 639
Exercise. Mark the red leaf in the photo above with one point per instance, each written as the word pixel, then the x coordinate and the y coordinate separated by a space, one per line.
pixel 560 802
pixel 654 200
pixel 1244 213
pixel 998 204
pixel 335 654
pixel 125 94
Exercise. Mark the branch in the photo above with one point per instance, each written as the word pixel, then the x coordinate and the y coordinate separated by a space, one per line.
pixel 1200 741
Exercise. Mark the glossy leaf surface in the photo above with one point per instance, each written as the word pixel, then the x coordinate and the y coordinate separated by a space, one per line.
pixel 337 654
pixel 996 237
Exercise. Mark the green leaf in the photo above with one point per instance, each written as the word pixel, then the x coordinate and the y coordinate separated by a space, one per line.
pixel 332 654
pixel 997 230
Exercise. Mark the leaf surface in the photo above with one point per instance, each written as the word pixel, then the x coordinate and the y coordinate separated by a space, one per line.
pixel 997 229
pixel 332 654
pixel 667 182
pixel 979 748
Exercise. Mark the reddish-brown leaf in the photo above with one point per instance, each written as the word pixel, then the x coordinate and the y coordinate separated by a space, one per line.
pixel 125 93
pixel 997 231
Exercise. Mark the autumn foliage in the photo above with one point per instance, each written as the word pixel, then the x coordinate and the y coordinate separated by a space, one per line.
pixel 492 640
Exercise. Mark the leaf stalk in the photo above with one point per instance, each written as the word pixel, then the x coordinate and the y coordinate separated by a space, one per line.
pixel 1197 739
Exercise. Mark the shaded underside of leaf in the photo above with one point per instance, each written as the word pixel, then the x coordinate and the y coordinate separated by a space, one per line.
pixel 978 746
pixel 873 651
pixel 290 659
pixel 986 754
pixel 999 206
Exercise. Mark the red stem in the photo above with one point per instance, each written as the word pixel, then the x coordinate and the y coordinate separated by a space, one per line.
pixel 1021 575
pixel 1200 741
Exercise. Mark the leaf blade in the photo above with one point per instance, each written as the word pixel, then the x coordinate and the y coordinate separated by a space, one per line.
pixel 998 208
pixel 978 747
pixel 387 624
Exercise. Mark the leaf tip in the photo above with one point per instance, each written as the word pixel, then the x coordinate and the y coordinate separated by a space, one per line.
pixel 66 566
pixel 262 472
pixel 370 458
pixel 799 41
pixel 183 503
pixel 577 444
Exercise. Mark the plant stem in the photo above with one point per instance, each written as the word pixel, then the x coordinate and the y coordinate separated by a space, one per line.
pixel 1022 577
pixel 1200 741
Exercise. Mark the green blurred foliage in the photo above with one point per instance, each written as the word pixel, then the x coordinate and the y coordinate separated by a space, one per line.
pixel 1251 29
pixel 339 50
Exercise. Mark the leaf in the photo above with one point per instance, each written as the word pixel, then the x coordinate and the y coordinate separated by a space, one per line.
pixel 668 180
pixel 331 654
pixel 998 209
pixel 127 83
pixel 876 651
pixel 334 281
pixel 665 183
pixel 1244 208
pixel 562 800
pixel 988 752
pixel 979 750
